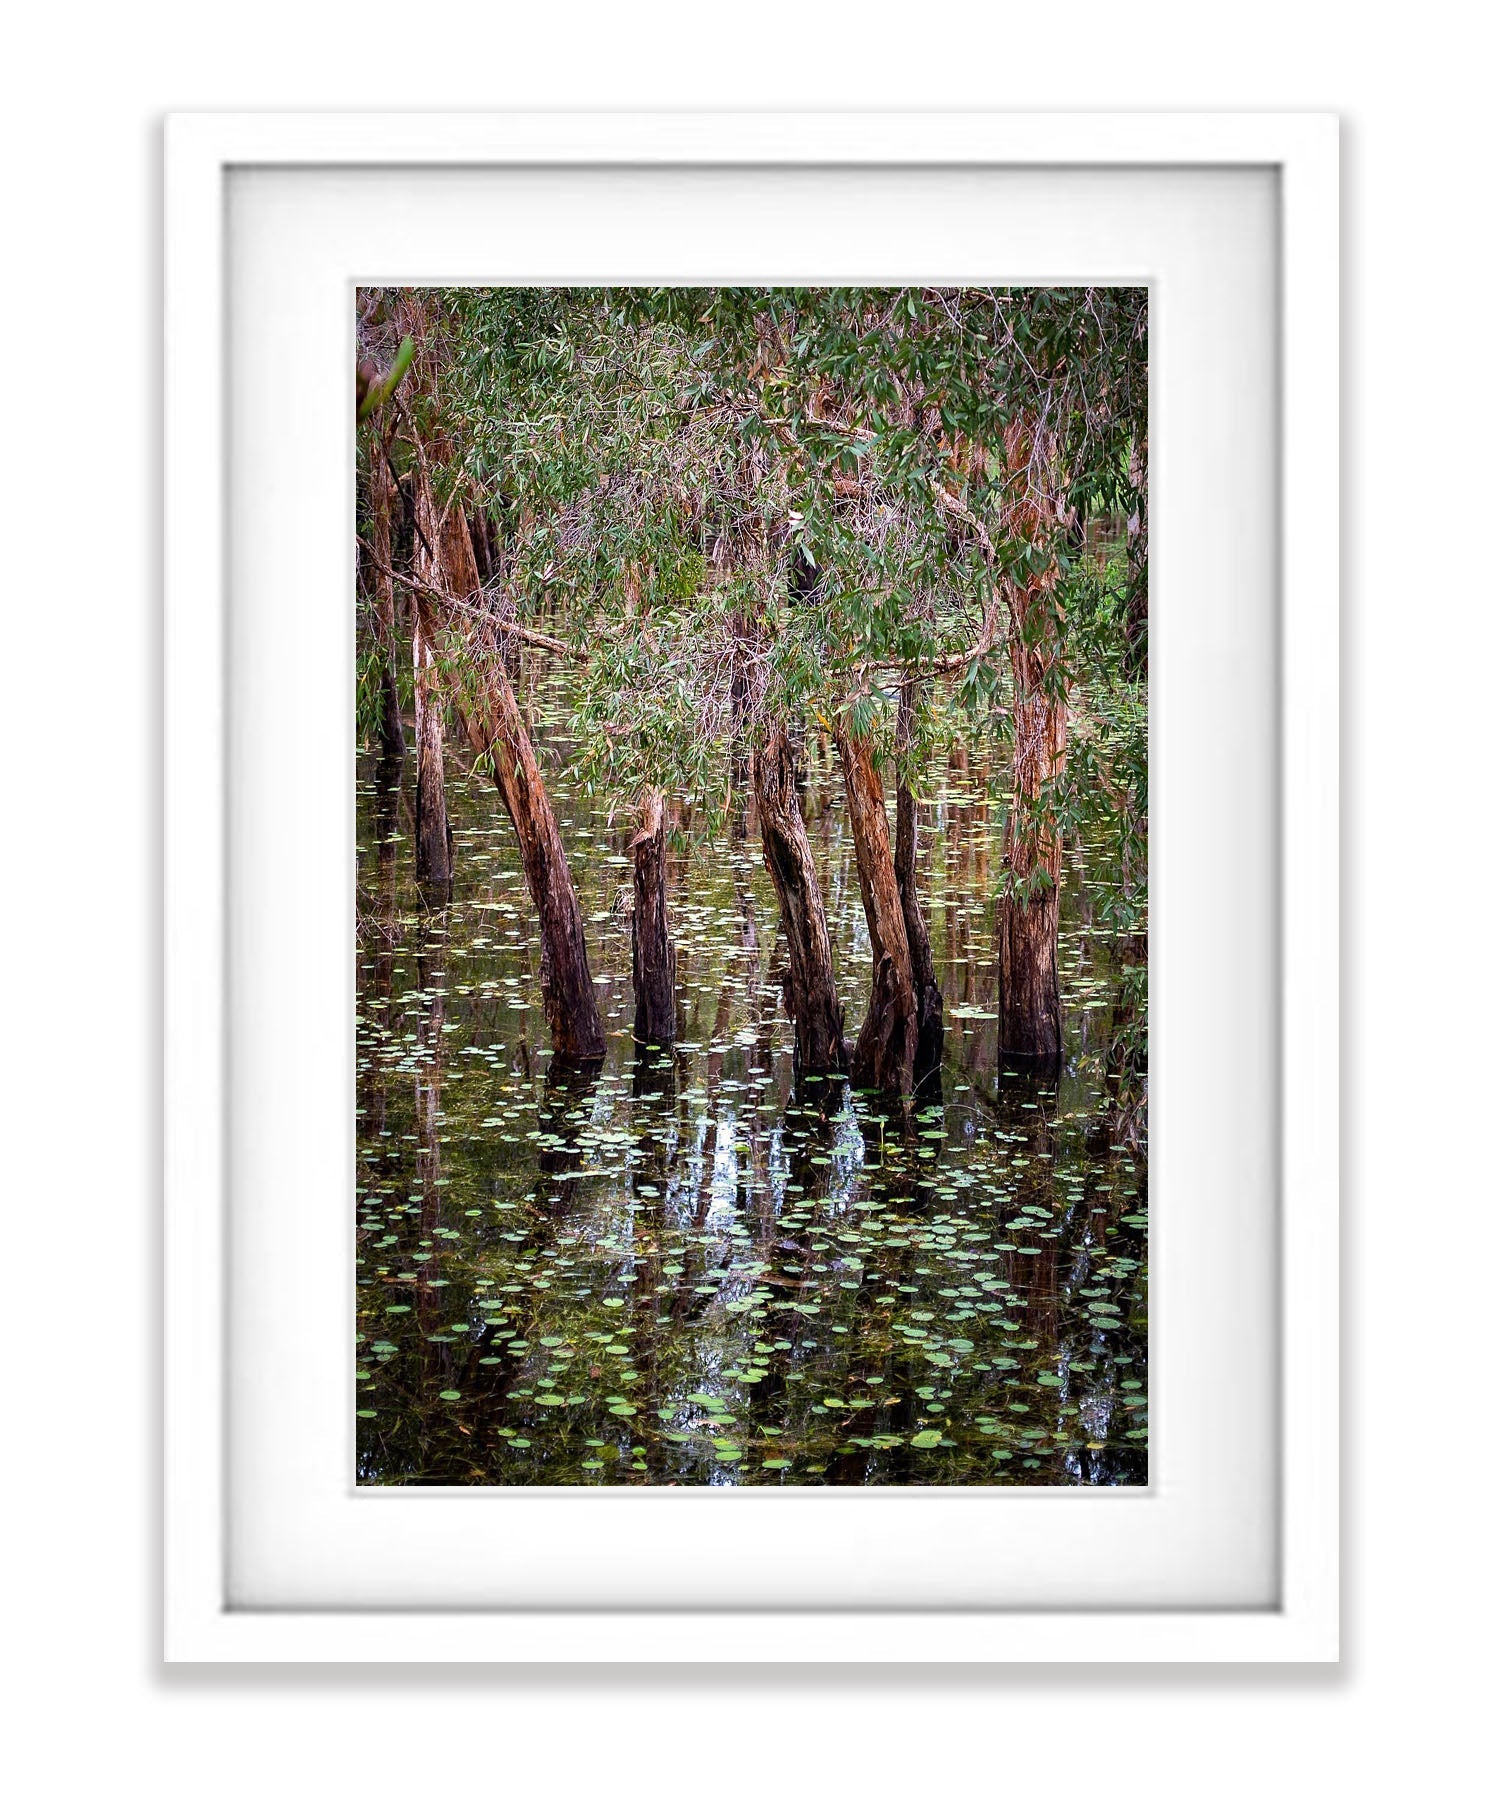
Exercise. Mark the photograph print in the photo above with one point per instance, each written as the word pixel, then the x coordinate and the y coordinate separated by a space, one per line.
pixel 750 917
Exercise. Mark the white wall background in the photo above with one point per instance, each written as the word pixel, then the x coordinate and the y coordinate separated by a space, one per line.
pixel 90 1706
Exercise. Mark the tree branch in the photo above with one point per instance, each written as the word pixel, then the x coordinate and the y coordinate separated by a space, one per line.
pixel 538 639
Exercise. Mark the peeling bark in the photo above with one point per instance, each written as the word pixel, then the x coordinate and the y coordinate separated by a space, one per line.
pixel 653 958
pixel 392 736
pixel 491 719
pixel 812 1001
pixel 497 730
pixel 885 1051
pixel 1030 1000
pixel 1030 1003
pixel 434 837
pixel 924 978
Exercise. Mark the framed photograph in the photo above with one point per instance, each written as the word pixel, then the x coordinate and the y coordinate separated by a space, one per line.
pixel 720 669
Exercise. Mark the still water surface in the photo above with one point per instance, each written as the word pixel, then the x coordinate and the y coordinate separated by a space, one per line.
pixel 679 1268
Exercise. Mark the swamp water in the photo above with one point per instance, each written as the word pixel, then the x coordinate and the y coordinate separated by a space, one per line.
pixel 677 1268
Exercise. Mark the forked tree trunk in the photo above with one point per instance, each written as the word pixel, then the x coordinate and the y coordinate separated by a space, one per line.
pixel 924 977
pixel 434 840
pixel 392 737
pixel 886 1049
pixel 492 721
pixel 1030 1001
pixel 812 1000
pixel 653 959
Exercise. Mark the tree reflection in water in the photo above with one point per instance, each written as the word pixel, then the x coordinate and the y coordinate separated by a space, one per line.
pixel 683 1265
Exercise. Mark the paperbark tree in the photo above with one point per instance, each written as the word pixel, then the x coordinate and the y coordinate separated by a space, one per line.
pixel 929 995
pixel 653 958
pixel 811 995
pixel 492 721
pixel 392 735
pixel 496 729
pixel 434 836
pixel 885 1052
pixel 1030 999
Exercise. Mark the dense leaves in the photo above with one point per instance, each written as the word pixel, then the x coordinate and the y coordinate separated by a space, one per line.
pixel 744 505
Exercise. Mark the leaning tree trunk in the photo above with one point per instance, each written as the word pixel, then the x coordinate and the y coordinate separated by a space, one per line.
pixel 812 1000
pixel 1030 1001
pixel 392 737
pixel 924 978
pixel 653 959
pixel 496 729
pixel 434 839
pixel 491 719
pixel 885 1052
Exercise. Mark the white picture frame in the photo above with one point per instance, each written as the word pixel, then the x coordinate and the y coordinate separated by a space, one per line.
pixel 202 1623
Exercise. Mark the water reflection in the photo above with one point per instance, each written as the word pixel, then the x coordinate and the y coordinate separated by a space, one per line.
pixel 678 1267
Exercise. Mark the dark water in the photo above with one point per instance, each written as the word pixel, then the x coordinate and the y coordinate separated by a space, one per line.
pixel 677 1269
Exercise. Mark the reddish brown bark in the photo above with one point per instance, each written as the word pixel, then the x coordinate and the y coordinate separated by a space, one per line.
pixel 924 977
pixel 1030 1003
pixel 885 1051
pixel 497 730
pixel 1030 1000
pixel 812 1000
pixel 392 737
pixel 653 958
pixel 434 839
pixel 492 721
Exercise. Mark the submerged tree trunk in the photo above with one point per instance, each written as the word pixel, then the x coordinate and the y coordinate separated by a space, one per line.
pixel 497 729
pixel 812 1000
pixel 653 959
pixel 885 1052
pixel 491 719
pixel 392 737
pixel 434 839
pixel 924 978
pixel 1030 1001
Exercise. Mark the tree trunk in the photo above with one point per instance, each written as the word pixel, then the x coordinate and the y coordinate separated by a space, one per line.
pixel 653 959
pixel 812 1000
pixel 493 724
pixel 434 839
pixel 496 729
pixel 924 978
pixel 434 856
pixel 392 737
pixel 1137 534
pixel 1030 1001
pixel 885 1052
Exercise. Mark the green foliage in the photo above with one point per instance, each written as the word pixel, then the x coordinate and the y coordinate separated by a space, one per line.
pixel 751 505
